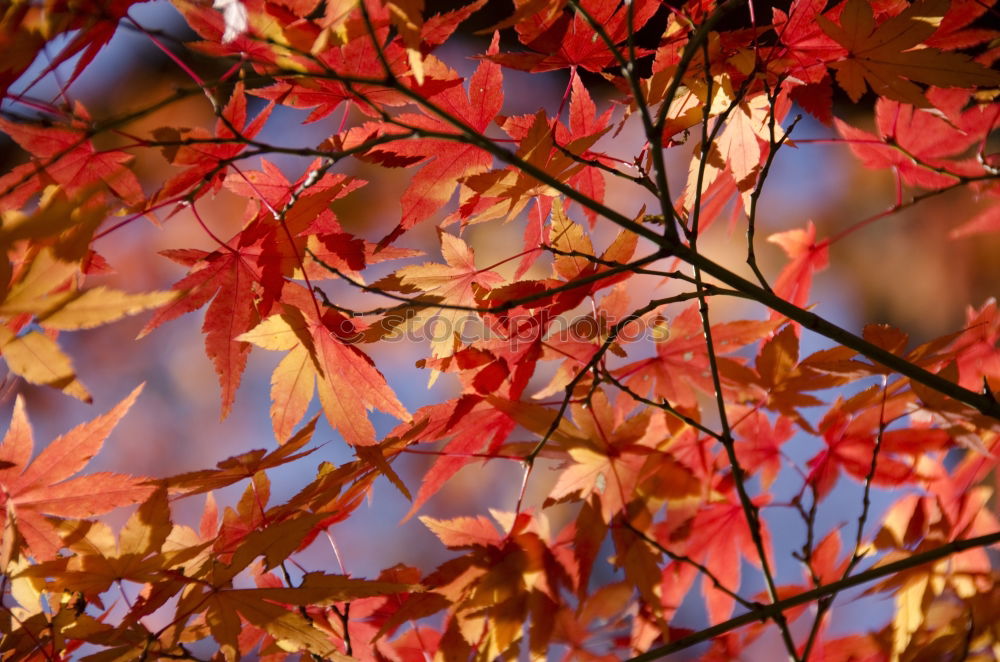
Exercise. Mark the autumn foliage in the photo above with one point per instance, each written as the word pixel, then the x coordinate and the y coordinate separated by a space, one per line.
pixel 656 427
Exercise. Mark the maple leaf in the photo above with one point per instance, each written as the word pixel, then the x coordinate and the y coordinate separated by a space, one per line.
pixel 759 445
pixel 68 157
pixel 608 457
pixel 739 141
pixel 572 141
pixel 681 361
pixel 886 56
pixel 92 33
pixel 306 239
pixel 988 221
pixel 292 384
pixel 438 28
pixel 451 161
pixel 805 42
pixel 85 309
pixel 919 143
pixel 851 451
pixel 44 487
pixel 808 256
pixel 464 532
pixel 719 537
pixel 354 59
pixel 960 27
pixel 249 274
pixel 566 39
pixel 738 150
pixel 347 380
pixel 226 277
pixel 373 617
pixel 508 577
pixel 250 516
pixel 584 127
pixel 976 348
pixel 351 384
pixel 54 219
pixel 198 150
pixel 274 609
pixel 471 426
pixel 455 284
pixel 573 249
pixel 913 524
pixel 785 381
pixel 505 192
pixel 38 359
pixel 140 553
pixel 48 291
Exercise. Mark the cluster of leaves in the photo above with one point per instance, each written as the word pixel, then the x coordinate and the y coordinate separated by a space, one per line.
pixel 665 449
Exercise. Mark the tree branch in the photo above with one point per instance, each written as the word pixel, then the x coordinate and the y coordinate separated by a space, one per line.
pixel 767 611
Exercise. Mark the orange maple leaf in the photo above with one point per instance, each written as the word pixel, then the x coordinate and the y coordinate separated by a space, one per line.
pixel 608 457
pixel 345 377
pixel 137 554
pixel 454 284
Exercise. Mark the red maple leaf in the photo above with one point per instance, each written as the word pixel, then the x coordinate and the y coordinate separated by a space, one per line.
pixel 308 223
pixel 851 451
pixel 978 354
pixel 205 151
pixel 227 278
pixel 920 144
pixel 447 161
pixel 91 28
pixel 807 49
pixel 719 536
pixel 67 156
pixel 357 59
pixel 759 445
pixel 681 361
pixel 567 40
pixel 473 429
pixel 30 492
pixel 808 257
pixel 955 31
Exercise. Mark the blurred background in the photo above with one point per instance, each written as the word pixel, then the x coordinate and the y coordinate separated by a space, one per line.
pixel 903 270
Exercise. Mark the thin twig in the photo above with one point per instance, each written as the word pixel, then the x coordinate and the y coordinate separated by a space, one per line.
pixel 773 146
pixel 750 510
pixel 662 404
pixel 683 558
